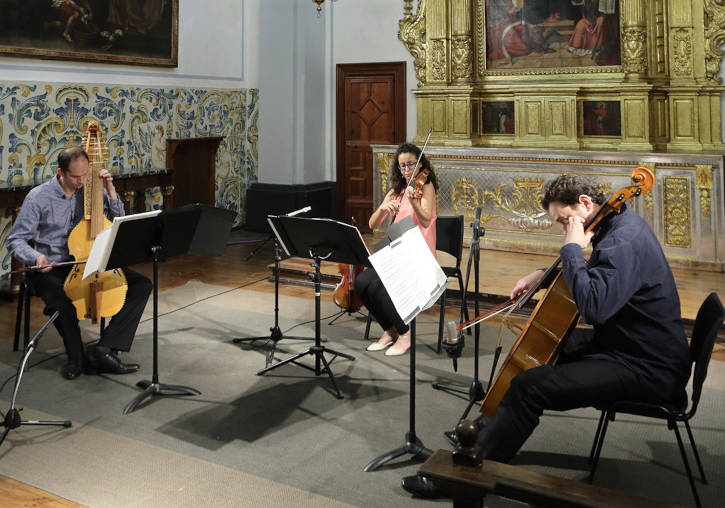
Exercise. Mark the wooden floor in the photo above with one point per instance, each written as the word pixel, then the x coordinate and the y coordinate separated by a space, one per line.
pixel 246 263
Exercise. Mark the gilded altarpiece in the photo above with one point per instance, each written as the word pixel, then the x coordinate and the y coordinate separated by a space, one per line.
pixel 685 207
pixel 657 60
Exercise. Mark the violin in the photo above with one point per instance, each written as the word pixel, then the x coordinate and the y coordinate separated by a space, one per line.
pixel 102 294
pixel 345 296
pixel 419 181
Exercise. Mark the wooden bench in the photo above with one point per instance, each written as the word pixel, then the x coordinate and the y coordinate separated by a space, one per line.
pixel 467 486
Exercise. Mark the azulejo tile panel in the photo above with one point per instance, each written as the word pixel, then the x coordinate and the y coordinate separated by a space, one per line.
pixel 38 120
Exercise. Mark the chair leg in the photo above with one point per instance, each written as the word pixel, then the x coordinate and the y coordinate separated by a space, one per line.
pixel 687 464
pixel 367 326
pixel 440 323
pixel 694 451
pixel 19 316
pixel 596 437
pixel 598 451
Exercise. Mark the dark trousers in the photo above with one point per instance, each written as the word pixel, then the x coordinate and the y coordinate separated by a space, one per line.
pixel 120 331
pixel 376 299
pixel 573 382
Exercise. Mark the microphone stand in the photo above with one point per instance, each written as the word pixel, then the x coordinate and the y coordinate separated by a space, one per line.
pixel 475 391
pixel 12 417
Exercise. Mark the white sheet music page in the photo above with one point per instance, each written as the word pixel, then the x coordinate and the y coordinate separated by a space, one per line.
pixel 410 273
pixel 102 245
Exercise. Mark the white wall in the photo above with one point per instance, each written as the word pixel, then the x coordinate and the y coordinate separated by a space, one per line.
pixel 211 53
pixel 292 99
pixel 297 79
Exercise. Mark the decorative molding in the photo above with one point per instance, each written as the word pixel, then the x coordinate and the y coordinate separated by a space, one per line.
pixel 677 211
pixel 703 180
pixel 634 50
pixel 714 37
pixel 411 32
pixel 462 58
pixel 438 60
pixel 682 52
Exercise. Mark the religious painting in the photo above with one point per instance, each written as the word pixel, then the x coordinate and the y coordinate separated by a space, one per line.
pixel 498 117
pixel 523 34
pixel 601 118
pixel 139 32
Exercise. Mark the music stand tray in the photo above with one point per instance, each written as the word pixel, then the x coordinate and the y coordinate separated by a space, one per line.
pixel 190 229
pixel 318 239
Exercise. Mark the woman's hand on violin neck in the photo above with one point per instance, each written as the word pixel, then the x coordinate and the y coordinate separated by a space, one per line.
pixel 526 282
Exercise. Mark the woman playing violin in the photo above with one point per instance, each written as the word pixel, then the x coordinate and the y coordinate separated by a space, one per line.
pixel 637 349
pixel 419 202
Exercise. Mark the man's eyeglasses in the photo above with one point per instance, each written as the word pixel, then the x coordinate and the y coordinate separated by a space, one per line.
pixel 409 165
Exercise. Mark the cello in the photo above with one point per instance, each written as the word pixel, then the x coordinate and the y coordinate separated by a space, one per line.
pixel 101 294
pixel 556 314
pixel 345 296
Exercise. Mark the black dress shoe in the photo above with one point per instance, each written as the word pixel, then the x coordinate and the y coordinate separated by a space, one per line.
pixel 103 360
pixel 421 486
pixel 71 370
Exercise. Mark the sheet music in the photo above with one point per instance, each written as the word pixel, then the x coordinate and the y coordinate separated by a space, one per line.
pixel 103 244
pixel 410 273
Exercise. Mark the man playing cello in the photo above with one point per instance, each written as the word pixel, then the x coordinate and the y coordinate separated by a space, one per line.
pixel 48 215
pixel 637 349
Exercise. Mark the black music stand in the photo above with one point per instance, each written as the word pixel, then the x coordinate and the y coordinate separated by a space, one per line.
pixel 413 445
pixel 318 239
pixel 190 229
pixel 276 332
pixel 12 416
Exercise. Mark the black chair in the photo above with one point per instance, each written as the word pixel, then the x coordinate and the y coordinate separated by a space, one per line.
pixel 709 318
pixel 449 239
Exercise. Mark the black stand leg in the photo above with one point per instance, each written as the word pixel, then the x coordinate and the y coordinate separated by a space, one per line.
pixel 413 446
pixel 153 387
pixel 12 416
pixel 276 333
pixel 318 350
pixel 475 390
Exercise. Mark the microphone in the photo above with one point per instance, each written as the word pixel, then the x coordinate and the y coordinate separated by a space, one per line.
pixel 297 212
pixel 454 343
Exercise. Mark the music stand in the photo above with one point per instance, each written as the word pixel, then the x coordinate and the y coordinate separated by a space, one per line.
pixel 12 416
pixel 190 229
pixel 318 239
pixel 413 445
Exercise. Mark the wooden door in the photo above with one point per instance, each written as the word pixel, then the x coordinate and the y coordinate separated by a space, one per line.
pixel 370 110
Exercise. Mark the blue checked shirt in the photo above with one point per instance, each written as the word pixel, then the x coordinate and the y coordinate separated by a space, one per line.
pixel 46 218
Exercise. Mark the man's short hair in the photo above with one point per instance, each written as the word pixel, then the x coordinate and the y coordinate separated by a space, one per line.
pixel 566 189
pixel 68 155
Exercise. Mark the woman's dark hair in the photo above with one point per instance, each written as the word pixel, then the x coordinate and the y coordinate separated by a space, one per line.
pixel 566 189
pixel 68 155
pixel 397 182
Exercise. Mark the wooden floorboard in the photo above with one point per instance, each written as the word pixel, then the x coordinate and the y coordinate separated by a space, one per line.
pixel 247 262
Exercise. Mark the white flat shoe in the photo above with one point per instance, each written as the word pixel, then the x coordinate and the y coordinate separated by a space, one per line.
pixel 393 351
pixel 376 346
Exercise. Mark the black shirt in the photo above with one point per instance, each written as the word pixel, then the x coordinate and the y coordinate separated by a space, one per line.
pixel 627 292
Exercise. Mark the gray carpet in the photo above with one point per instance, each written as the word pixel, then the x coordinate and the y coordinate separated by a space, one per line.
pixel 283 439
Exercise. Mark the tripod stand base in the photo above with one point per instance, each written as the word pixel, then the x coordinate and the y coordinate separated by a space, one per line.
pixel 319 354
pixel 151 388
pixel 411 447
pixel 12 421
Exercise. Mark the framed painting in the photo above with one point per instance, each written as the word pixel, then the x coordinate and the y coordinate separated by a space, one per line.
pixel 601 118
pixel 138 32
pixel 498 117
pixel 552 33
